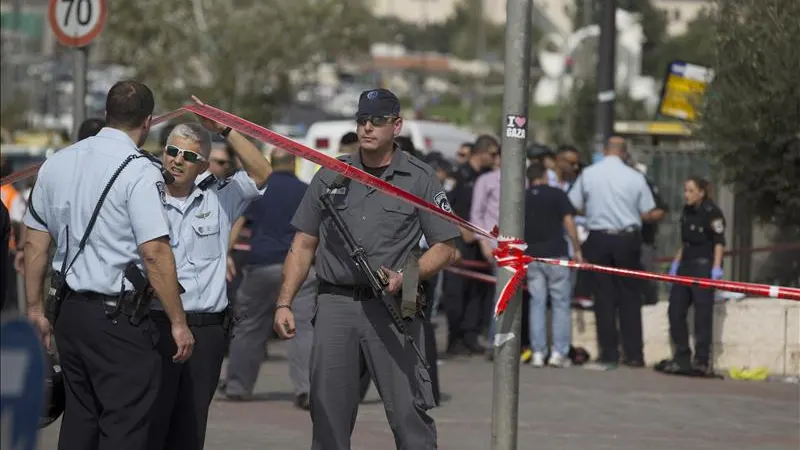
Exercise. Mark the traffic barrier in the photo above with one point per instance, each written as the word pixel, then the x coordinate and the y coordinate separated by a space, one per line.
pixel 510 252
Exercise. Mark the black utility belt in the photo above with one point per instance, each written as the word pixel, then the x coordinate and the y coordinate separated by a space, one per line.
pixel 626 230
pixel 193 319
pixel 356 292
pixel 124 301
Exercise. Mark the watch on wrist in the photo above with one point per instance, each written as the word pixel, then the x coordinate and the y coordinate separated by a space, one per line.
pixel 224 133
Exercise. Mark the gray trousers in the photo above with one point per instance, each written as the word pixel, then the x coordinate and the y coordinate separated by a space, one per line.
pixel 349 334
pixel 254 309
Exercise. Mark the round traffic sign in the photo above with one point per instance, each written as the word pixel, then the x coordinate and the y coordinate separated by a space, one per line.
pixel 77 22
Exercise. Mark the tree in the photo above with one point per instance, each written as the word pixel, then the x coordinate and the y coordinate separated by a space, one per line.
pixel 751 116
pixel 234 54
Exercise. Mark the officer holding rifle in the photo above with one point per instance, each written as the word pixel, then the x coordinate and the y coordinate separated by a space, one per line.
pixel 365 239
pixel 99 200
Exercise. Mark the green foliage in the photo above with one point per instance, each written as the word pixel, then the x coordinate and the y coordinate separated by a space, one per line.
pixel 751 117
pixel 236 55
pixel 695 46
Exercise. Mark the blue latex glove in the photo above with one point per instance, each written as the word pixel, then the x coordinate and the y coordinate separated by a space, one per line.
pixel 717 273
pixel 673 269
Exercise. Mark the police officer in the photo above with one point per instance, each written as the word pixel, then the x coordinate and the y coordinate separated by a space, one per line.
pixel 700 255
pixel 616 200
pixel 200 218
pixel 110 365
pixel 351 327
pixel 464 299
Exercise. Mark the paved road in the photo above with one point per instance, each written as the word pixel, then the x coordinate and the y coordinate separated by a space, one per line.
pixel 560 409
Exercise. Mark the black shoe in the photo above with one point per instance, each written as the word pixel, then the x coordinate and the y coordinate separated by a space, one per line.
pixel 301 401
pixel 636 364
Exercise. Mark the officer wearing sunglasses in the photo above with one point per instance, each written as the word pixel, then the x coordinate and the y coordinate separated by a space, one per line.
pixel 200 218
pixel 352 329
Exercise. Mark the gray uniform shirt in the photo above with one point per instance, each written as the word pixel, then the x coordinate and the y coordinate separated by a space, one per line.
pixel 388 228
pixel 613 195
pixel 65 195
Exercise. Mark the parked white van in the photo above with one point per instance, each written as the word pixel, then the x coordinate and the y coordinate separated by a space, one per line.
pixel 426 135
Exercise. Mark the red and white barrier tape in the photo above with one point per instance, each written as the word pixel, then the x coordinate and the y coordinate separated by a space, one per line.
pixel 510 253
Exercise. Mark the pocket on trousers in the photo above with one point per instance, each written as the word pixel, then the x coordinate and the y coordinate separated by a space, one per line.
pixel 424 398
pixel 150 330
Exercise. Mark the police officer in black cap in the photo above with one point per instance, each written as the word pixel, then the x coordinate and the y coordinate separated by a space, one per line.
pixel 352 328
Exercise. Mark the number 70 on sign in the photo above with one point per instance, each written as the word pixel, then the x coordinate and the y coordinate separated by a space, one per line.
pixel 76 23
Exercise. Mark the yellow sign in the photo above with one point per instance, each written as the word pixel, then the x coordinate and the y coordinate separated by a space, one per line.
pixel 683 91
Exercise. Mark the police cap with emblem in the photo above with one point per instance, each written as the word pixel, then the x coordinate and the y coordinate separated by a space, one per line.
pixel 378 102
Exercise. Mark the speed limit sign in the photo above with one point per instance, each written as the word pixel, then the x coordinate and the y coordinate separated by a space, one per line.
pixel 77 22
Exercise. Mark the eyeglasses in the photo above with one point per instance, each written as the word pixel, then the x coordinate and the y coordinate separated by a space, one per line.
pixel 188 155
pixel 377 121
pixel 221 162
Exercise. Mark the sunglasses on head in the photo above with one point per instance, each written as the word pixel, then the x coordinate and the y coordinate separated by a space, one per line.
pixel 188 155
pixel 377 121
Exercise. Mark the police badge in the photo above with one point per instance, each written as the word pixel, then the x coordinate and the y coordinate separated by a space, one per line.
pixel 441 201
pixel 718 225
pixel 161 193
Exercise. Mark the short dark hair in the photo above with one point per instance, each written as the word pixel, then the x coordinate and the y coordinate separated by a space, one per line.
pixel 567 148
pixel 536 171
pixel 349 138
pixel 484 143
pixel 90 127
pixel 129 104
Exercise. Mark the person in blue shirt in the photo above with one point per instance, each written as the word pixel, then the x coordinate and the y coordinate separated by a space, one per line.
pixel 271 236
pixel 200 217
pixel 616 201
pixel 110 366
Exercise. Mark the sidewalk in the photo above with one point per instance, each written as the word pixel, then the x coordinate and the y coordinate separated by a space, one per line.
pixel 560 409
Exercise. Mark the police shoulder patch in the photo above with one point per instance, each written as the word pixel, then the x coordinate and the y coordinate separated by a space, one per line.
pixel 441 201
pixel 161 192
pixel 222 183
pixel 718 225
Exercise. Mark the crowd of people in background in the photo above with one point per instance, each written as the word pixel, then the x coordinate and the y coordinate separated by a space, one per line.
pixel 555 227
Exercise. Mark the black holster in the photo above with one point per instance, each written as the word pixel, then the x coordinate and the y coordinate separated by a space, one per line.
pixel 227 323
pixel 55 296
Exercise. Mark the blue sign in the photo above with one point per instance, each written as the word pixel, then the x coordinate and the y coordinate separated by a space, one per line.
pixel 22 369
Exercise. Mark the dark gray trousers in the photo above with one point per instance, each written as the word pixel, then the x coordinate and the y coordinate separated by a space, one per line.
pixel 253 310
pixel 349 334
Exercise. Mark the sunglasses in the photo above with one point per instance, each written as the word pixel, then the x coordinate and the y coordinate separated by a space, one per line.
pixel 377 121
pixel 188 155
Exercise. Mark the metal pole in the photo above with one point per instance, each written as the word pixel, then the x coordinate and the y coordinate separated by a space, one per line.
pixel 606 63
pixel 505 401
pixel 81 56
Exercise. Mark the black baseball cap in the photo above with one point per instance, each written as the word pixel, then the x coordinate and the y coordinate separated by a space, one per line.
pixel 378 102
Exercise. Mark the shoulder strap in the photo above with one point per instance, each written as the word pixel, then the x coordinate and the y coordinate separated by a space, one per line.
pixel 96 211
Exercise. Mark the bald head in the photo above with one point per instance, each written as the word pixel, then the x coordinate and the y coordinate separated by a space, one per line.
pixel 282 160
pixel 616 146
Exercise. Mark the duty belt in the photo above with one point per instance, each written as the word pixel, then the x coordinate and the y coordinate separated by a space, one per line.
pixel 193 319
pixel 626 230
pixel 125 302
pixel 356 292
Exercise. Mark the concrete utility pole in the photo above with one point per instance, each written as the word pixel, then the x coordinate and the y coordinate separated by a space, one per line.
pixel 606 63
pixel 505 399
